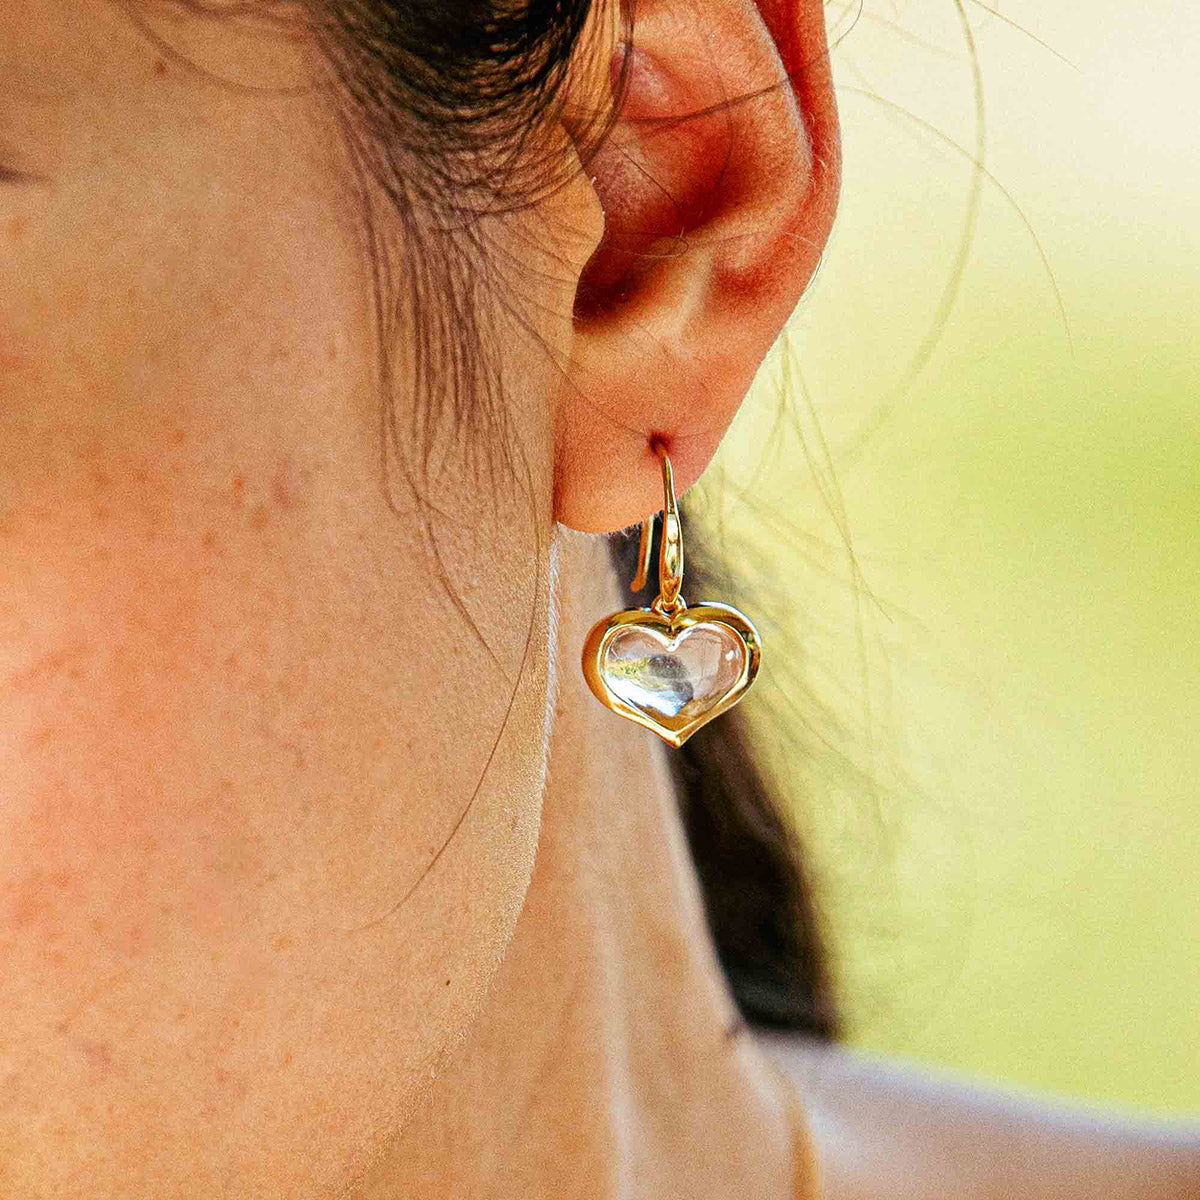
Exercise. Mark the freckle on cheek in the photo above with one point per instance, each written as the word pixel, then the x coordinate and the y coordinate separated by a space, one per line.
pixel 29 903
pixel 281 486
pixel 230 1082
pixel 41 735
pixel 11 358
pixel 98 1055
pixel 47 667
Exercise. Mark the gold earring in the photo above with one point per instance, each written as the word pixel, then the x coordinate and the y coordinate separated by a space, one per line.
pixel 670 667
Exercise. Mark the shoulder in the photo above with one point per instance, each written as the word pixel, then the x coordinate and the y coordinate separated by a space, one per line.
pixel 892 1129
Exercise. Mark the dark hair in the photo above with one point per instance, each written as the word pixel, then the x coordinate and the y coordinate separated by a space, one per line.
pixel 444 108
pixel 446 111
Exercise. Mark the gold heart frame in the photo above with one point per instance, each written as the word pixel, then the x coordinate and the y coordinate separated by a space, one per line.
pixel 675 730
pixel 669 617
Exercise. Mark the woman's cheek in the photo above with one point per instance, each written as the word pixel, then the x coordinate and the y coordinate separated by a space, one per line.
pixel 123 643
pixel 229 728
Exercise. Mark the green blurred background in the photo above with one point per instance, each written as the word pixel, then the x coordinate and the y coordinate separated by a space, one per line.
pixel 979 505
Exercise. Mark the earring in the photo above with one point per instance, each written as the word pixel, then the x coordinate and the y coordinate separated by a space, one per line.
pixel 670 667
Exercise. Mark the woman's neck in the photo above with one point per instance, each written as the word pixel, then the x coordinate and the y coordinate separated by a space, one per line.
pixel 603 1064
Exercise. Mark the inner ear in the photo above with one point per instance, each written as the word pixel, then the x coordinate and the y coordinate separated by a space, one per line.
pixel 660 173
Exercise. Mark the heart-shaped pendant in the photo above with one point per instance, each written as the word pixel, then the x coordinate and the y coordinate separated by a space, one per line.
pixel 672 672
pixel 669 667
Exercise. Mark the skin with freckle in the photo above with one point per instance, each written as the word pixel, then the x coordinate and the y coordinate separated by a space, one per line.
pixel 279 674
pixel 240 713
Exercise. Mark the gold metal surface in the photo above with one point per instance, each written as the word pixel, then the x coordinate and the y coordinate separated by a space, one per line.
pixel 670 553
pixel 643 566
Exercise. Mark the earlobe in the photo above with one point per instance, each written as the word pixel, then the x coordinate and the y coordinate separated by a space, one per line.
pixel 719 186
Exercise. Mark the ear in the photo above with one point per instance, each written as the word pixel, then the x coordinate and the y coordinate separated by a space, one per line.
pixel 719 185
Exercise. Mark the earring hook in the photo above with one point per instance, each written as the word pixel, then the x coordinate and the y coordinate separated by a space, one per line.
pixel 670 557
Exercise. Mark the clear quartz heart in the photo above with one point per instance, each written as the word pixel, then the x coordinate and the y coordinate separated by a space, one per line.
pixel 674 677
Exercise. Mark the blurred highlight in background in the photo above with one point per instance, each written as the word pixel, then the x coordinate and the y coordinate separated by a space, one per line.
pixel 979 498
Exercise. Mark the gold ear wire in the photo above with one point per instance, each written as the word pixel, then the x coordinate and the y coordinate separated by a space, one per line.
pixel 643 566
pixel 670 556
